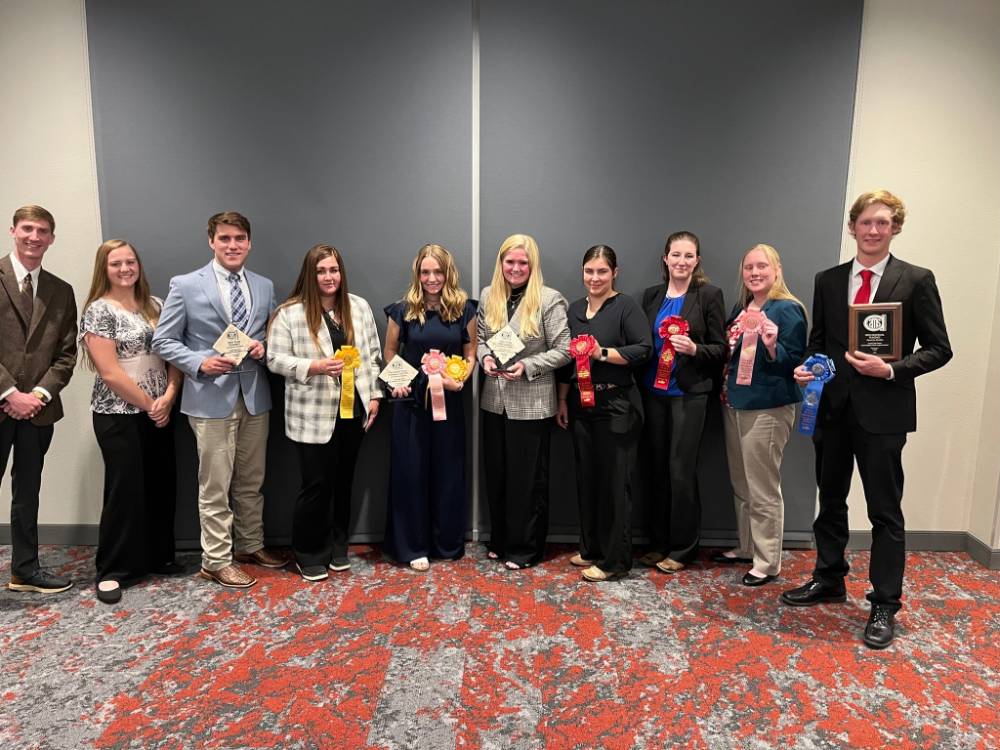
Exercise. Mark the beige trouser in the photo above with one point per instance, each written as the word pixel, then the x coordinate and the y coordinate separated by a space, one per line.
pixel 231 453
pixel 755 441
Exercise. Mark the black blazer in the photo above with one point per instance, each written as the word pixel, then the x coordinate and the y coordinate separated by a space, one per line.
pixel 705 313
pixel 881 406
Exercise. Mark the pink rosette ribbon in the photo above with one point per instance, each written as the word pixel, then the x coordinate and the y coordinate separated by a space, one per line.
pixel 751 323
pixel 433 364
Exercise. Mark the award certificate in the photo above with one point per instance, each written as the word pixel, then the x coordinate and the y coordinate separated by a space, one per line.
pixel 505 345
pixel 398 373
pixel 233 343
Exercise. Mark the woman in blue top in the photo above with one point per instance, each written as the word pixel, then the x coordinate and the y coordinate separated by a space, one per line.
pixel 428 496
pixel 675 406
pixel 766 333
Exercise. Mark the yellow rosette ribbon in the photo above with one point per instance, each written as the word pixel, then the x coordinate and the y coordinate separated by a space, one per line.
pixel 456 368
pixel 352 361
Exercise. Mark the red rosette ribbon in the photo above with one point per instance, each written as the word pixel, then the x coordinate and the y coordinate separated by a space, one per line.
pixel 751 323
pixel 672 325
pixel 433 364
pixel 580 349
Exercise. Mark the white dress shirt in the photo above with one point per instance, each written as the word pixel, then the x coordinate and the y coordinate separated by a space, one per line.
pixel 223 276
pixel 19 273
pixel 856 268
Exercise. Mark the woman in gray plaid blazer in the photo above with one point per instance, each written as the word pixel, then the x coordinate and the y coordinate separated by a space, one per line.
pixel 519 400
pixel 319 320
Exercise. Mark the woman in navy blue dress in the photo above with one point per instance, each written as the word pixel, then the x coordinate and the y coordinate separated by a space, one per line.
pixel 428 494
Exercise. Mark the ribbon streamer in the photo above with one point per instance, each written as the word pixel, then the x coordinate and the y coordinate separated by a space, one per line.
pixel 579 350
pixel 352 361
pixel 751 323
pixel 823 370
pixel 433 364
pixel 673 325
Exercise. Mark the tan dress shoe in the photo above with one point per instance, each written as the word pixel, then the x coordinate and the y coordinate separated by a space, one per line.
pixel 231 576
pixel 264 557
pixel 580 562
pixel 666 565
pixel 595 574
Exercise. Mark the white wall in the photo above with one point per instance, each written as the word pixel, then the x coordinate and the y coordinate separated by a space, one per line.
pixel 926 124
pixel 928 111
pixel 47 157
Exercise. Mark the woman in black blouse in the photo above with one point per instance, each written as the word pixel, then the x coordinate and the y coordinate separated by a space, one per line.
pixel 598 396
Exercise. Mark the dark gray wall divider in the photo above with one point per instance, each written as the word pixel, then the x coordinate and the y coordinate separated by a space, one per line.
pixel 345 122
pixel 350 123
pixel 619 123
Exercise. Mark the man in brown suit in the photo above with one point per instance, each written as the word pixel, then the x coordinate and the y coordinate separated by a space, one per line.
pixel 37 354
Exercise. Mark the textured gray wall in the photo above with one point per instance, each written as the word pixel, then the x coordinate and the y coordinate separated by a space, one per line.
pixel 350 123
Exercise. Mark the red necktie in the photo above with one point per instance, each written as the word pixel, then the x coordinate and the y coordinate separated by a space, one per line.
pixel 864 295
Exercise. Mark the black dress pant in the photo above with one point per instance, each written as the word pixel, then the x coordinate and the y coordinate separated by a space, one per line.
pixel 673 427
pixel 136 533
pixel 516 459
pixel 880 465
pixel 323 508
pixel 605 440
pixel 29 444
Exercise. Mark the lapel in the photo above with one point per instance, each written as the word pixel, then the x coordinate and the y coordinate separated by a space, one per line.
pixel 690 297
pixel 9 281
pixel 258 299
pixel 653 306
pixel 210 286
pixel 43 299
pixel 887 284
pixel 840 279
pixel 325 342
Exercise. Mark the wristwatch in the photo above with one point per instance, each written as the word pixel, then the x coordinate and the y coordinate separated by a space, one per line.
pixel 604 354
pixel 40 396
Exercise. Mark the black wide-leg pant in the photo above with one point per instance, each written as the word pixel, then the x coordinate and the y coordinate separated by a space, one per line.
pixel 323 507
pixel 516 459
pixel 673 428
pixel 136 532
pixel 605 440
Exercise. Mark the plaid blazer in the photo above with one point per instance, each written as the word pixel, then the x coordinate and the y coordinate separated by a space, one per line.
pixel 534 395
pixel 312 403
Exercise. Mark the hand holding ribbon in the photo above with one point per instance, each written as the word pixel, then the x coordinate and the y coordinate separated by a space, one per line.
pixel 673 325
pixel 351 358
pixel 580 349
pixel 822 369
pixel 456 370
pixel 433 365
pixel 751 323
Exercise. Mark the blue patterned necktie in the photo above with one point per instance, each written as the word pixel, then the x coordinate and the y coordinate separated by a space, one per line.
pixel 241 318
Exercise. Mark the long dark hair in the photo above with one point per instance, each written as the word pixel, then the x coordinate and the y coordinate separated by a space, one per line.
pixel 601 251
pixel 306 291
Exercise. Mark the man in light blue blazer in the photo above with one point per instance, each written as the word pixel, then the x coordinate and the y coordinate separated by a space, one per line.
pixel 226 402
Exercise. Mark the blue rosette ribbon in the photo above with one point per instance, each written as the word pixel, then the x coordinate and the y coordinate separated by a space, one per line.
pixel 823 370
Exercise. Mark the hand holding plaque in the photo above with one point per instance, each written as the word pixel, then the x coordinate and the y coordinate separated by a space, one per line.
pixel 233 343
pixel 398 373
pixel 876 329
pixel 505 345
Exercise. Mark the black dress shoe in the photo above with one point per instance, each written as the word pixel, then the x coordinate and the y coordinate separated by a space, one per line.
pixel 724 559
pixel 881 627
pixel 749 579
pixel 814 592
pixel 109 591
pixel 39 582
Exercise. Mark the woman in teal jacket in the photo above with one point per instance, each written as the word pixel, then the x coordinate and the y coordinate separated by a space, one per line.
pixel 766 334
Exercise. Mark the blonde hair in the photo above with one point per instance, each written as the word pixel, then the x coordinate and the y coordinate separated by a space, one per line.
pixel 884 197
pixel 495 299
pixel 453 297
pixel 100 285
pixel 306 292
pixel 778 290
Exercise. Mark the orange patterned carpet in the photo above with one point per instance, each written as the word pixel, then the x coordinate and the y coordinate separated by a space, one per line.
pixel 471 655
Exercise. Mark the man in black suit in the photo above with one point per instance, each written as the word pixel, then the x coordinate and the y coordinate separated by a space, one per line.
pixel 868 408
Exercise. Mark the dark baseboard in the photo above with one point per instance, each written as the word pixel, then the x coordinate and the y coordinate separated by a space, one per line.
pixel 916 541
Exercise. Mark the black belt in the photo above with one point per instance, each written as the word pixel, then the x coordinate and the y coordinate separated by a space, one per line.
pixel 600 386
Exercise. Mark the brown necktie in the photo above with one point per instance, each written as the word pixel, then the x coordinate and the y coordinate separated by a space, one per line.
pixel 28 290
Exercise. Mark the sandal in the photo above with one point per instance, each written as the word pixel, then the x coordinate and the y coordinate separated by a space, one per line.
pixel 421 564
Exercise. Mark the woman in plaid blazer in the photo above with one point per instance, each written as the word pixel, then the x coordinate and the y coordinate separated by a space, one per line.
pixel 519 401
pixel 305 344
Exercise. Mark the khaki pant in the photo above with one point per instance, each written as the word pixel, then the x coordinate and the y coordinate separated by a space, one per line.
pixel 755 442
pixel 231 454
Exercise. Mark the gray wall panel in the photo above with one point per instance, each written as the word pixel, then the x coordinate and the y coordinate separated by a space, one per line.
pixel 345 122
pixel 619 123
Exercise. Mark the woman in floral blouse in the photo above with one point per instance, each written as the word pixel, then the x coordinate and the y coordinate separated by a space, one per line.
pixel 134 392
